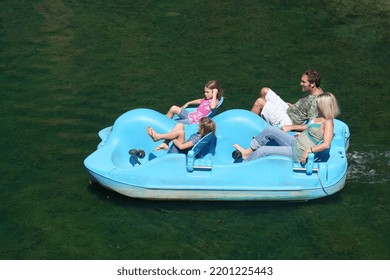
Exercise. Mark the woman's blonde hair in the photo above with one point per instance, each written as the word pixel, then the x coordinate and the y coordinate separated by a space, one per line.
pixel 327 105
pixel 206 125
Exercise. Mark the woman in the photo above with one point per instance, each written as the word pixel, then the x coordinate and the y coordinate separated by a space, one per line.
pixel 316 137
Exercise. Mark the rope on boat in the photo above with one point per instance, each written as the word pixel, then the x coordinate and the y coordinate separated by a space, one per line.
pixel 319 179
pixel 317 170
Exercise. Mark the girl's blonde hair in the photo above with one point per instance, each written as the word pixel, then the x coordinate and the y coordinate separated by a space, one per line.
pixel 213 84
pixel 327 105
pixel 206 125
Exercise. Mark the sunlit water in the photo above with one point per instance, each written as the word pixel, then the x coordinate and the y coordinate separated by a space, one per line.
pixel 369 167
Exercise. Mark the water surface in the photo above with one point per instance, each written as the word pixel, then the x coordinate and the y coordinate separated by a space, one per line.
pixel 70 68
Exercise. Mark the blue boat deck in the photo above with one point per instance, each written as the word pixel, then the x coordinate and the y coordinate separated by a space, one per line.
pixel 160 175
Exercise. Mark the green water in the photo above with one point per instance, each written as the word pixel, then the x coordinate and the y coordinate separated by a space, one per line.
pixel 70 68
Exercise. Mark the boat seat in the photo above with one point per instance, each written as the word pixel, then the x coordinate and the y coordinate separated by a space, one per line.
pixel 199 157
pixel 322 156
pixel 214 111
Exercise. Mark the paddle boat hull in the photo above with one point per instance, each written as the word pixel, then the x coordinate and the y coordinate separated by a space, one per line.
pixel 215 176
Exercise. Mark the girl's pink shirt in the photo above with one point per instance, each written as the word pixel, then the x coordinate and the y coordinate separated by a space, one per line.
pixel 202 111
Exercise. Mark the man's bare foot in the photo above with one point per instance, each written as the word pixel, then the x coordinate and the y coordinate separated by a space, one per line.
pixel 152 134
pixel 162 146
pixel 244 153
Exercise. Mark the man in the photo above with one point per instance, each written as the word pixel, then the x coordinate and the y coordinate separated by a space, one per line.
pixel 279 113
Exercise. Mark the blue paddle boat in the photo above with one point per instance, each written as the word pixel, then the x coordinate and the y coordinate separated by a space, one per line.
pixel 126 162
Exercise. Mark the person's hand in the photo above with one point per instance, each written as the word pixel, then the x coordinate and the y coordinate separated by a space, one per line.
pixel 286 128
pixel 304 156
pixel 185 106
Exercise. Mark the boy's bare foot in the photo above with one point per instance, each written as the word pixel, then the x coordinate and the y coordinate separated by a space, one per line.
pixel 244 153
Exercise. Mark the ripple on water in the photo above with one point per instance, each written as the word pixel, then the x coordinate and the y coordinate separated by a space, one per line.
pixel 370 167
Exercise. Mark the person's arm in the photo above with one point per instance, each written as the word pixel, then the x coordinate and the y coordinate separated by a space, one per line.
pixel 193 102
pixel 294 127
pixel 213 103
pixel 328 137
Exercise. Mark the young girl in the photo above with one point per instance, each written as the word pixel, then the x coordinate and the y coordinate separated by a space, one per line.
pixel 177 135
pixel 317 136
pixel 212 92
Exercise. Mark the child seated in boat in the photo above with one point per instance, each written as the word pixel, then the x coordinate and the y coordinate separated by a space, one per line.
pixel 212 92
pixel 316 137
pixel 177 136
